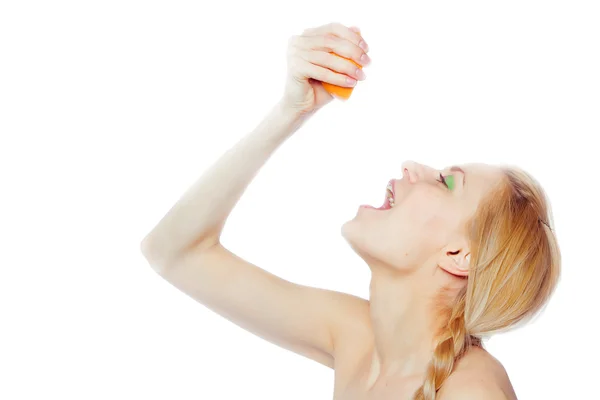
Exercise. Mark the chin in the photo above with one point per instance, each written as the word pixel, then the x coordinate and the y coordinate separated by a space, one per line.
pixel 346 229
pixel 353 233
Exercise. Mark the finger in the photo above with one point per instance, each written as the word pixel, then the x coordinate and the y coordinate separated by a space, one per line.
pixel 340 31
pixel 331 43
pixel 332 62
pixel 309 70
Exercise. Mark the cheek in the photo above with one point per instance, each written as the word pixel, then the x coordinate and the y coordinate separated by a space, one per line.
pixel 416 227
pixel 426 216
pixel 424 207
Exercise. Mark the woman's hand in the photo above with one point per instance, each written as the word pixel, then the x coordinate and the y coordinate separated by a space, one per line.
pixel 310 61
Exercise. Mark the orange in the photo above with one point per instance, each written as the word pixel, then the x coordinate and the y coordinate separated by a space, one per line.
pixel 343 92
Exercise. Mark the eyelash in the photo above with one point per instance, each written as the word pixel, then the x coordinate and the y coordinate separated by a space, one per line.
pixel 443 180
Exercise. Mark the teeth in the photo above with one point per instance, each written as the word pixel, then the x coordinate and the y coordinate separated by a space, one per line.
pixel 390 197
pixel 390 194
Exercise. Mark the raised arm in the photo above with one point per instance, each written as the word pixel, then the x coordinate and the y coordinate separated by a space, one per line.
pixel 198 218
pixel 184 247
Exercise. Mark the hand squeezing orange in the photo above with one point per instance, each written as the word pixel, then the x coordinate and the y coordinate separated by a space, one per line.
pixel 342 92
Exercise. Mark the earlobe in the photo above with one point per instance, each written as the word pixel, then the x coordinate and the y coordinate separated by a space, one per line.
pixel 456 263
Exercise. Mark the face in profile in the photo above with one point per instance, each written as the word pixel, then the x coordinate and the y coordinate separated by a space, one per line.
pixel 428 217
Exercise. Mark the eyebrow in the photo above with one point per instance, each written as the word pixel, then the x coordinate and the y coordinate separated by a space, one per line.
pixel 459 169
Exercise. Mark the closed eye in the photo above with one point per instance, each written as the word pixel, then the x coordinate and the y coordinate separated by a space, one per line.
pixel 443 180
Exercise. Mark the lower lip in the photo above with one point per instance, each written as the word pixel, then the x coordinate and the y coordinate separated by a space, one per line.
pixel 386 202
pixel 368 206
pixel 386 205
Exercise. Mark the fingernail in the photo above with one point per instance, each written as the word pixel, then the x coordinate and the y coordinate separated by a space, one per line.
pixel 363 45
pixel 355 29
pixel 365 59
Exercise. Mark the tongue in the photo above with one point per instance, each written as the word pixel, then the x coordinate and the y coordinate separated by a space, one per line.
pixel 385 206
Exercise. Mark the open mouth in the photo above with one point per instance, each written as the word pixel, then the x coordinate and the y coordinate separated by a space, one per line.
pixel 389 200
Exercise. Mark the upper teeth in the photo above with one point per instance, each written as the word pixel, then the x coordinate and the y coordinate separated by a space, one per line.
pixel 390 194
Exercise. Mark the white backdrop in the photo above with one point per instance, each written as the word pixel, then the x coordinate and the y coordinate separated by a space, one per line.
pixel 109 111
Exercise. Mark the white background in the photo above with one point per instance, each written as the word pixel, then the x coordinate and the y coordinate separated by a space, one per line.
pixel 110 110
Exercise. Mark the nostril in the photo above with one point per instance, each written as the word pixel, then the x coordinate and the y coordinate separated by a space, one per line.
pixel 407 174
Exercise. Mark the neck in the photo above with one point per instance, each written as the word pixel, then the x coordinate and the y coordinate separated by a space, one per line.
pixel 404 323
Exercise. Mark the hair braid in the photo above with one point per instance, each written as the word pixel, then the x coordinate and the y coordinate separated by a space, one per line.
pixel 452 344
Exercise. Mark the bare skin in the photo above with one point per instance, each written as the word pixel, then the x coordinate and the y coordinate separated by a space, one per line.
pixel 379 348
pixel 335 329
pixel 357 370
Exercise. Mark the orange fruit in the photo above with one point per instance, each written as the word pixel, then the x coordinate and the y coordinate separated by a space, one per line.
pixel 342 92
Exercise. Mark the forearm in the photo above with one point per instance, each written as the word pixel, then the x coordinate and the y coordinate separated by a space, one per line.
pixel 203 209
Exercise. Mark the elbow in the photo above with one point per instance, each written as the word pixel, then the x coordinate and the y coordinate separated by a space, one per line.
pixel 160 258
pixel 145 247
pixel 152 256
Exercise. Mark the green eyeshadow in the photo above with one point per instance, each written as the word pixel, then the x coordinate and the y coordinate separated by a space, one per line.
pixel 450 181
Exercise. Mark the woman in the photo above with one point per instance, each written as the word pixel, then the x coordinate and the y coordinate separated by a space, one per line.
pixel 455 255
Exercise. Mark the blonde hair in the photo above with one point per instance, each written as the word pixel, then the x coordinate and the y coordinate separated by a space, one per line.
pixel 514 269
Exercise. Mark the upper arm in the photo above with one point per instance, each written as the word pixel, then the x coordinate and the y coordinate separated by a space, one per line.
pixel 302 319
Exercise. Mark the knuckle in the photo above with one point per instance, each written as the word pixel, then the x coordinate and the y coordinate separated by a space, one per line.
pixel 302 55
pixel 329 41
pixel 291 54
pixel 293 40
pixel 358 55
pixel 334 25
pixel 351 68
pixel 338 27
pixel 295 60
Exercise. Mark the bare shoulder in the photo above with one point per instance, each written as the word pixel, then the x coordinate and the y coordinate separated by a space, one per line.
pixel 475 391
pixel 478 375
pixel 352 337
pixel 356 329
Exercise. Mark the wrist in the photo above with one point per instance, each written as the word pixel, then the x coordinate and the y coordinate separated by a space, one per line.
pixel 289 116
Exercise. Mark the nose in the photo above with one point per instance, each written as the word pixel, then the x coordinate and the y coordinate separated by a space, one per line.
pixel 409 170
pixel 415 171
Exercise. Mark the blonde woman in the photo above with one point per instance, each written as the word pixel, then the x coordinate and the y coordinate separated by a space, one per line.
pixel 455 255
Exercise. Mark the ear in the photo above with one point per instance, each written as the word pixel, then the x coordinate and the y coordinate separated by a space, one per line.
pixel 456 261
